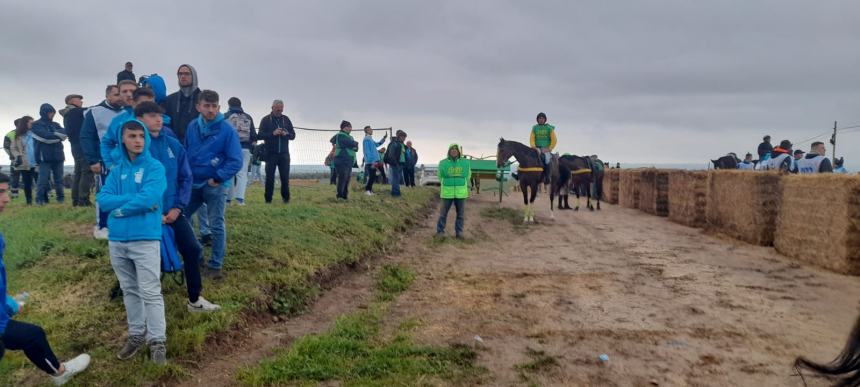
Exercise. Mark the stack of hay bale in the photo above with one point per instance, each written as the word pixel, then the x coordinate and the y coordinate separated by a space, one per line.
pixel 654 191
pixel 628 188
pixel 819 221
pixel 610 186
pixel 688 198
pixel 744 204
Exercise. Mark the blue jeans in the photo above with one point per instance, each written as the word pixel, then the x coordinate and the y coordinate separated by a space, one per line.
pixel 46 169
pixel 215 201
pixel 396 176
pixel 460 205
pixel 203 221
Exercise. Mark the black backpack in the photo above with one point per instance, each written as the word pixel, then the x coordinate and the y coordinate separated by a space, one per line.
pixel 392 154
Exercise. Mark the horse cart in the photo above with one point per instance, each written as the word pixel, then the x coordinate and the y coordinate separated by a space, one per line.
pixel 486 169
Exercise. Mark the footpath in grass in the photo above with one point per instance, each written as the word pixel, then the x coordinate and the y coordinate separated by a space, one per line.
pixel 273 252
pixel 354 352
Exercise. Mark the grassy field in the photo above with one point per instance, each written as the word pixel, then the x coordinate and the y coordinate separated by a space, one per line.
pixel 354 352
pixel 272 252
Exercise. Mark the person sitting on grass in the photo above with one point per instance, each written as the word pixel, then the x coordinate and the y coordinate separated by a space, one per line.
pixel 170 153
pixel 133 195
pixel 454 174
pixel 31 339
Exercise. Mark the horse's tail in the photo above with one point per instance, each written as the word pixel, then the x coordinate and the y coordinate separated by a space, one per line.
pixel 847 364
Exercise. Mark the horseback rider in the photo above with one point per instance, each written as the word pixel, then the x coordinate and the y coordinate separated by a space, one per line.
pixel 543 140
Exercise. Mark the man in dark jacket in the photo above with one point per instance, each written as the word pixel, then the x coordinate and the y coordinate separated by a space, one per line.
pixel 345 148
pixel 765 149
pixel 126 74
pixel 244 125
pixel 277 131
pixel 180 106
pixel 395 157
pixel 73 121
pixel 409 168
pixel 48 139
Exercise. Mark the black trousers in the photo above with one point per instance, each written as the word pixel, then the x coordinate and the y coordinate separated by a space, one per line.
pixel 280 162
pixel 370 176
pixel 82 182
pixel 32 340
pixel 191 251
pixel 409 176
pixel 28 177
pixel 343 173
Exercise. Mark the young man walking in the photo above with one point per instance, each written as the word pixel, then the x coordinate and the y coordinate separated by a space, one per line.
pixel 133 195
pixel 215 156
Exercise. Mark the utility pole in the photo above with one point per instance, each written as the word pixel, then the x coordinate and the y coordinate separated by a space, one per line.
pixel 833 141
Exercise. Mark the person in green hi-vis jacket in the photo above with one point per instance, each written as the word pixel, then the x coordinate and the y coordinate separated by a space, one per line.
pixel 543 139
pixel 454 174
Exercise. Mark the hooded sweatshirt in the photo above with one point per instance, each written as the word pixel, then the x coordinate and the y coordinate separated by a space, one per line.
pixel 97 120
pixel 181 106
pixel 48 136
pixel 170 153
pixel 213 150
pixel 133 194
pixel 454 175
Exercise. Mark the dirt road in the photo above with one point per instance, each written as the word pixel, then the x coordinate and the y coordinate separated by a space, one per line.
pixel 669 305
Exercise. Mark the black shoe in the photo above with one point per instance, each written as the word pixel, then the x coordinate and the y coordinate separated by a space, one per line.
pixel 214 274
pixel 115 292
pixel 206 240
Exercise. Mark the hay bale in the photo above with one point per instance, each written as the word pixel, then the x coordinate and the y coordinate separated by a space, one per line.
pixel 654 191
pixel 610 186
pixel 688 198
pixel 744 204
pixel 628 188
pixel 819 221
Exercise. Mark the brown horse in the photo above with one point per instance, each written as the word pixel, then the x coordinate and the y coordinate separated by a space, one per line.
pixel 528 174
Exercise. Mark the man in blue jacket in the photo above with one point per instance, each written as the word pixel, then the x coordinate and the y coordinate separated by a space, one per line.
pixel 97 120
pixel 31 339
pixel 215 156
pixel 369 148
pixel 49 137
pixel 171 154
pixel 133 195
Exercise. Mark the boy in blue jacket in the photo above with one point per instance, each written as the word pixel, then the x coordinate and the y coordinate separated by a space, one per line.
pixel 215 156
pixel 133 195
pixel 170 153
pixel 30 338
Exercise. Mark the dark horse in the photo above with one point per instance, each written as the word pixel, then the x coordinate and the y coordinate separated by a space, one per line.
pixel 726 162
pixel 845 369
pixel 529 173
pixel 582 175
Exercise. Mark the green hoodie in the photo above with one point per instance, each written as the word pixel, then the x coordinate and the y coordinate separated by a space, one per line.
pixel 454 175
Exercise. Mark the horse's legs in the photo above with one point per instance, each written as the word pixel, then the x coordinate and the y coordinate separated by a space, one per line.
pixel 532 201
pixel 588 197
pixel 525 191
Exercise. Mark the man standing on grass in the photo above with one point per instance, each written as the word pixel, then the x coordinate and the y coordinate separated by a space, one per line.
pixel 133 195
pixel 170 153
pixel 395 157
pixel 409 167
pixel 277 131
pixel 345 148
pixel 73 121
pixel 215 156
pixel 97 120
pixel 49 137
pixel 372 161
pixel 244 125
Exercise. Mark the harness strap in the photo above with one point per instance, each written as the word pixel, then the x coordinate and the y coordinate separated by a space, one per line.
pixel 580 171
pixel 530 169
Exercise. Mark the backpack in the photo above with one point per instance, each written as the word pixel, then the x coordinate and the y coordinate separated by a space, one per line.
pixel 170 260
pixel 156 83
pixel 242 123
pixel 392 157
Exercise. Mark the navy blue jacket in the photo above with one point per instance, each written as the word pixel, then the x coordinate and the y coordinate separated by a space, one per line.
pixel 73 121
pixel 276 145
pixel 48 136
pixel 166 149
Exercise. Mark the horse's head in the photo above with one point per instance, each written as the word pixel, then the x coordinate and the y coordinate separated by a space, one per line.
pixel 503 153
pixel 716 164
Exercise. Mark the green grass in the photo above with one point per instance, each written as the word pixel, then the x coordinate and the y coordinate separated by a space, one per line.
pixel 540 363
pixel 393 280
pixel 511 215
pixel 354 353
pixel 272 252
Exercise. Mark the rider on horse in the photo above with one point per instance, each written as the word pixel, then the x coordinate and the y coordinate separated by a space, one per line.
pixel 543 139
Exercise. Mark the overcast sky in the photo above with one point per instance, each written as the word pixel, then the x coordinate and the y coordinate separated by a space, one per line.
pixel 645 81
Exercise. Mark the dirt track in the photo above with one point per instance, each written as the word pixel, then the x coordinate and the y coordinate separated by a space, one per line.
pixel 669 305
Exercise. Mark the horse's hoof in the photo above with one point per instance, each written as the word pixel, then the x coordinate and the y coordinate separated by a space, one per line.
pixel 576 208
pixel 591 208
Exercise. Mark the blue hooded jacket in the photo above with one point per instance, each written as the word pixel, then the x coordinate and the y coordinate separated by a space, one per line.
pixel 170 153
pixel 108 148
pixel 213 150
pixel 48 136
pixel 133 194
pixel 8 309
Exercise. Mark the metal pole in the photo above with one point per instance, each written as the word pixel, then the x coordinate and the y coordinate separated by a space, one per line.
pixel 833 141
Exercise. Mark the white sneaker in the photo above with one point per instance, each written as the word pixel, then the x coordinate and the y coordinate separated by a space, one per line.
pixel 202 305
pixel 369 193
pixel 73 367
pixel 100 233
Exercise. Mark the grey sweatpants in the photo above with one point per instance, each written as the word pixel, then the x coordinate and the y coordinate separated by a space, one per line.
pixel 137 265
